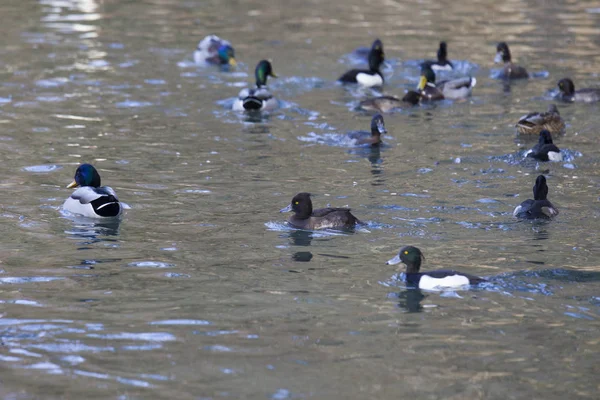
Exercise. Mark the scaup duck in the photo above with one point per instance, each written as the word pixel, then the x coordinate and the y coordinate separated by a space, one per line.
pixel 306 218
pixel 372 76
pixel 388 103
pixel 453 89
pixel 535 122
pixel 434 280
pixel 214 50
pixel 374 137
pixel 510 71
pixel 545 149
pixel 540 206
pixel 91 199
pixel 259 98
pixel 442 63
pixel 567 92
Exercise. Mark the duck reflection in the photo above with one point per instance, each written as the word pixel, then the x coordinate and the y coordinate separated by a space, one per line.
pixel 301 238
pixel 93 231
pixel 410 300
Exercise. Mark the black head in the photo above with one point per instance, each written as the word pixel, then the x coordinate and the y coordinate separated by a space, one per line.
pixel 502 53
pixel 301 205
pixel 553 109
pixel 376 56
pixel 86 175
pixel 545 138
pixel 442 54
pixel 262 71
pixel 412 97
pixel 377 125
pixel 411 256
pixel 566 87
pixel 540 189
pixel 427 76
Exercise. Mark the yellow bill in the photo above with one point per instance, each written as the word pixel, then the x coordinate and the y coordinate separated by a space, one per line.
pixel 232 62
pixel 422 83
pixel 72 185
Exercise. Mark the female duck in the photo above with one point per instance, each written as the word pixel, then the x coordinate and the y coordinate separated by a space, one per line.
pixel 451 89
pixel 372 76
pixel 214 50
pixel 434 280
pixel 259 98
pixel 91 199
pixel 388 103
pixel 306 218
pixel 374 137
pixel 540 206
pixel 545 150
pixel 535 122
pixel 567 92
pixel 442 63
pixel 510 71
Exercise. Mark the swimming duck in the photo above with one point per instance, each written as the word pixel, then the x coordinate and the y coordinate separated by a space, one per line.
pixel 306 218
pixel 388 103
pixel 533 123
pixel 545 150
pixel 442 63
pixel 214 50
pixel 434 280
pixel 91 199
pixel 258 98
pixel 453 89
pixel 372 76
pixel 567 92
pixel 511 71
pixel 540 206
pixel 374 137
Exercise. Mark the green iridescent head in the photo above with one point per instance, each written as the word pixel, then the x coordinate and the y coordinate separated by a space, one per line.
pixel 263 70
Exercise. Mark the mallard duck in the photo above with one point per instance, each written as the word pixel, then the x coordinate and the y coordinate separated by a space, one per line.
pixel 388 103
pixel 545 149
pixel 374 137
pixel 540 206
pixel 511 71
pixel 91 199
pixel 451 89
pixel 535 122
pixel 442 63
pixel 434 280
pixel 259 98
pixel 567 92
pixel 306 218
pixel 214 50
pixel 372 76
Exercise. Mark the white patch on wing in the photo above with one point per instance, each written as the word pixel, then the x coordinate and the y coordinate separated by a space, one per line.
pixel 453 281
pixel 445 67
pixel 517 210
pixel 74 206
pixel 86 194
pixel 369 80
pixel 554 156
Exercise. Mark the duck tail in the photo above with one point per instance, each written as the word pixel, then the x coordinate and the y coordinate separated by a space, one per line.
pixel 252 103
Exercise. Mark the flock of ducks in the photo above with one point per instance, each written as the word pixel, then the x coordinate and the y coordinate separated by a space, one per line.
pixel 93 200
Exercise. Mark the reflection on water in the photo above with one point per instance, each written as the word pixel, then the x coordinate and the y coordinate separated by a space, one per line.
pixel 410 300
pixel 93 230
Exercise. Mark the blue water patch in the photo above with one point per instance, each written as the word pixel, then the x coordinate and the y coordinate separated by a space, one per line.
pixel 42 168
pixel 133 104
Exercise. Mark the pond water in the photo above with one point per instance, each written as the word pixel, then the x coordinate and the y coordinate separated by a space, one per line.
pixel 203 292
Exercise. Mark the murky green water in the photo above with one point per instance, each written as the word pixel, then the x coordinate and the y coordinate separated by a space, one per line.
pixel 202 292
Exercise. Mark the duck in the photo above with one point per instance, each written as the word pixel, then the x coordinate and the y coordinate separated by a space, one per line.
pixel 372 76
pixel 442 63
pixel 91 199
pixel 386 104
pixel 306 218
pixel 545 150
pixel 538 208
pixel 259 98
pixel 567 92
pixel 435 280
pixel 535 122
pixel 453 89
pixel 214 50
pixel 374 137
pixel 510 71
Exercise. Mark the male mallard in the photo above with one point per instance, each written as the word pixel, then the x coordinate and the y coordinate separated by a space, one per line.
pixel 372 76
pixel 451 89
pixel 545 149
pixel 374 137
pixel 442 63
pixel 540 206
pixel 306 218
pixel 511 71
pixel 91 199
pixel 388 103
pixel 258 98
pixel 533 123
pixel 214 50
pixel 568 93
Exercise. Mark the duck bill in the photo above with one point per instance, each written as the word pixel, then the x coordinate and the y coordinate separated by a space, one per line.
pixel 286 209
pixel 381 129
pixel 72 185
pixel 498 58
pixel 394 261
pixel 422 83
pixel 232 62
pixel 274 75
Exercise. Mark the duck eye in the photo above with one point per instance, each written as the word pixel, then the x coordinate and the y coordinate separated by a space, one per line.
pixel 405 251
pixel 296 202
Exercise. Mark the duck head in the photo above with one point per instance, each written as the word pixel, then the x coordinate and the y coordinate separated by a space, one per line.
pixel 427 77
pixel 502 53
pixel 262 71
pixel 545 138
pixel 566 87
pixel 410 256
pixel 442 53
pixel 376 56
pixel 540 189
pixel 227 55
pixel 85 175
pixel 377 125
pixel 301 205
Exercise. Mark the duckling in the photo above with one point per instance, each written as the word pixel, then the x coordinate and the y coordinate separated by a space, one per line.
pixel 442 63
pixel 214 50
pixel 372 76
pixel 306 218
pixel 533 123
pixel 567 92
pixel 453 89
pixel 511 71
pixel 374 137
pixel 259 98
pixel 540 206
pixel 91 199
pixel 545 150
pixel 434 280
pixel 388 103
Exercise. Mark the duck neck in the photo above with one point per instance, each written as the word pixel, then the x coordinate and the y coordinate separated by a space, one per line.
pixel 413 267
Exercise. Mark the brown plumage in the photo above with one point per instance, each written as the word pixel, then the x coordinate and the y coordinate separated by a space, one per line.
pixel 535 122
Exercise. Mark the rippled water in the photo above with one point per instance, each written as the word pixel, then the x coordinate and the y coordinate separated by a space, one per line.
pixel 202 291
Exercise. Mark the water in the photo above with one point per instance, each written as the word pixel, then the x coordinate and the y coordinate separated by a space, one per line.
pixel 203 292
